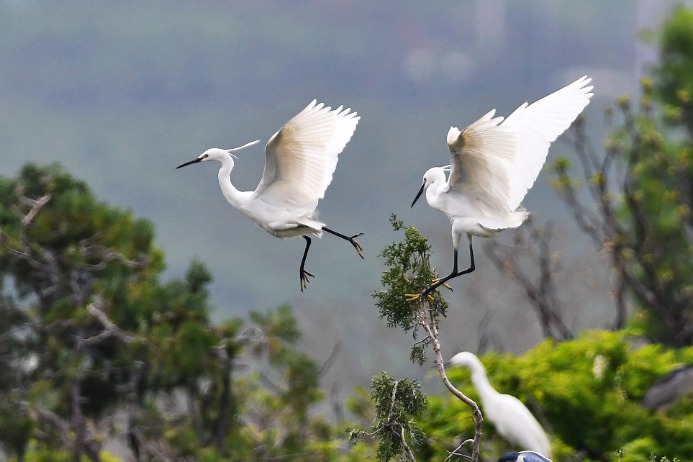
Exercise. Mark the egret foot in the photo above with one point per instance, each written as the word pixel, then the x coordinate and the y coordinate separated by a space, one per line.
pixel 427 292
pixel 415 297
pixel 304 279
pixel 303 273
pixel 444 284
pixel 351 239
pixel 356 245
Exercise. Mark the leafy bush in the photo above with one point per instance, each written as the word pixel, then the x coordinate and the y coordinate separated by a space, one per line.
pixel 586 393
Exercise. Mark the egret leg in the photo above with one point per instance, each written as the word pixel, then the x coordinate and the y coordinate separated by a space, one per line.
pixel 351 239
pixel 454 272
pixel 303 273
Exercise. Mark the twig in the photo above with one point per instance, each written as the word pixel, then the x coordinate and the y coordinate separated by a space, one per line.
pixel 110 328
pixel 36 206
pixel 410 454
pixel 455 453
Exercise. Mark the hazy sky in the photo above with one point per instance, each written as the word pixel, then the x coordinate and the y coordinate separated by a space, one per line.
pixel 122 93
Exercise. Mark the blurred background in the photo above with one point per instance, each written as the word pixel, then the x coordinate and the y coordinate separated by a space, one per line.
pixel 120 93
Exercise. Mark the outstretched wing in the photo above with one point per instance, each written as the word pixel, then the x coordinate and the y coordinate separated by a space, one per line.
pixel 497 161
pixel 537 125
pixel 302 156
pixel 479 156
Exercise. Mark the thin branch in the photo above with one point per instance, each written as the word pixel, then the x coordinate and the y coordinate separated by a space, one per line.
pixel 50 416
pixel 455 453
pixel 111 330
pixel 432 331
pixel 408 450
pixel 336 349
pixel 542 294
pixel 36 206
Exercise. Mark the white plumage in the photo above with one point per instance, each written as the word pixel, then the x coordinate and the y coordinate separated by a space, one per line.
pixel 493 163
pixel 300 160
pixel 523 456
pixel 511 418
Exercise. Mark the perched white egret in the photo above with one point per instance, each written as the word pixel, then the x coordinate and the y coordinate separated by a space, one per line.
pixel 511 418
pixel 493 163
pixel 523 456
pixel 299 162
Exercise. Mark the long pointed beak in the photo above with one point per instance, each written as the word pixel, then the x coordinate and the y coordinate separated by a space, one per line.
pixel 194 161
pixel 421 190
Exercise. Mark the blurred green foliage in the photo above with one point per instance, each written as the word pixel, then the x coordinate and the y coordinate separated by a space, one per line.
pixel 674 73
pixel 586 393
pixel 642 185
pixel 397 404
pixel 95 346
pixel 409 272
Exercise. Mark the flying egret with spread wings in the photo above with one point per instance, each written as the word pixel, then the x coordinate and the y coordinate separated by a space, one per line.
pixel 300 160
pixel 493 163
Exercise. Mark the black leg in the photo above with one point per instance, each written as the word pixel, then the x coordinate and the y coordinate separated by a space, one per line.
pixel 303 273
pixel 351 239
pixel 454 272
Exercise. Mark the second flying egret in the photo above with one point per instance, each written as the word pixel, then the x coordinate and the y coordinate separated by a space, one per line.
pixel 493 163
pixel 299 162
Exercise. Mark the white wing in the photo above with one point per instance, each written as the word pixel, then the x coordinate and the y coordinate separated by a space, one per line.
pixel 479 156
pixel 536 126
pixel 302 156
pixel 497 161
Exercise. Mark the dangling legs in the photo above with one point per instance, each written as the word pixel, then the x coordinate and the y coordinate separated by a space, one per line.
pixel 454 272
pixel 304 274
pixel 351 239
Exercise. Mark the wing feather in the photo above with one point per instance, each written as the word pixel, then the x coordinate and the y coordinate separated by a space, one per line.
pixel 479 155
pixel 537 125
pixel 301 157
pixel 497 161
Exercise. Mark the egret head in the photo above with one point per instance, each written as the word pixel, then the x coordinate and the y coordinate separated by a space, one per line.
pixel 431 176
pixel 221 155
pixel 465 359
pixel 210 154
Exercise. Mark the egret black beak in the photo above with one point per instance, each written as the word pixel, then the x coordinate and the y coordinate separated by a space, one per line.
pixel 421 190
pixel 194 161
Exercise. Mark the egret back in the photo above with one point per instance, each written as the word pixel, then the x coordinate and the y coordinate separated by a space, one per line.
pixel 516 423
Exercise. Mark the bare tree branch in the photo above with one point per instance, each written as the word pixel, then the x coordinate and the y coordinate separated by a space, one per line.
pixel 432 330
pixel 542 293
pixel 111 330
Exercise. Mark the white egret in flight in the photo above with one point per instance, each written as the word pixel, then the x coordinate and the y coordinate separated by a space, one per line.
pixel 523 456
pixel 511 418
pixel 493 163
pixel 299 162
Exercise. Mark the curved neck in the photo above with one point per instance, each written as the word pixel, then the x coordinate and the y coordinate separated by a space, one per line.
pixel 234 196
pixel 481 383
